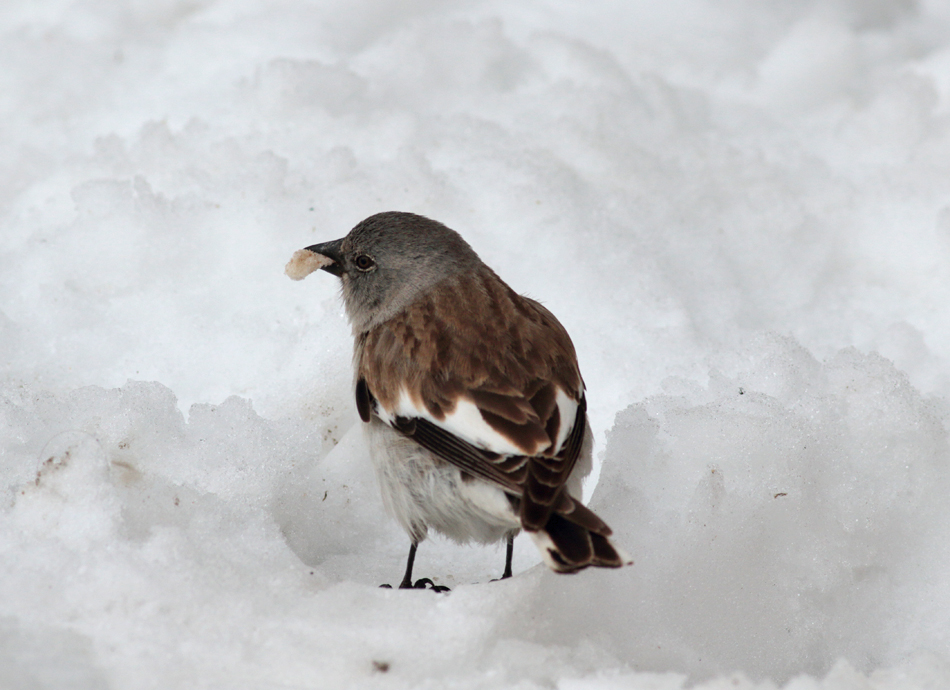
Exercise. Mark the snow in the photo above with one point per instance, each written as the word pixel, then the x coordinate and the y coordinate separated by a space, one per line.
pixel 739 210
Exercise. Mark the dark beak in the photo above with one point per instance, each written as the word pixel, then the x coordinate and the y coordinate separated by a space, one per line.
pixel 331 250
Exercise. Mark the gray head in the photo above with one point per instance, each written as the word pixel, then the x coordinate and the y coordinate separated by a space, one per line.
pixel 387 261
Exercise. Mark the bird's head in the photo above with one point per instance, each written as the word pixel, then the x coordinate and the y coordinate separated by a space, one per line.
pixel 389 260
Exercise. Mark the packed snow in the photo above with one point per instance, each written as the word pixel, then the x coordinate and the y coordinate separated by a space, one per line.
pixel 740 211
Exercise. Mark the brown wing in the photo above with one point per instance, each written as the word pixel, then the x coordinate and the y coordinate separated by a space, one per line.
pixel 473 338
pixel 538 482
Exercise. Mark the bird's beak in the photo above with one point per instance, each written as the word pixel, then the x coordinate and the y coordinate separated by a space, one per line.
pixel 331 250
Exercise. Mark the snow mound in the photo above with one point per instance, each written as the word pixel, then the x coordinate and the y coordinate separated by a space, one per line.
pixel 673 180
pixel 785 515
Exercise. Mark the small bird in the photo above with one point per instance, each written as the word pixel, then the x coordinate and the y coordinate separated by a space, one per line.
pixel 473 402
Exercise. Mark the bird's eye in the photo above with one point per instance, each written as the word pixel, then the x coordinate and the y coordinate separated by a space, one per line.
pixel 364 263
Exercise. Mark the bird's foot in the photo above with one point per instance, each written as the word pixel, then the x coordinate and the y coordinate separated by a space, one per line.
pixel 422 583
pixel 426 583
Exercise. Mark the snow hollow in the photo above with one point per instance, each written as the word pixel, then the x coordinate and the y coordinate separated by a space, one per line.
pixel 739 210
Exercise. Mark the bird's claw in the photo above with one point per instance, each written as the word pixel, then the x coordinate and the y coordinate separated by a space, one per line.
pixel 422 583
pixel 426 583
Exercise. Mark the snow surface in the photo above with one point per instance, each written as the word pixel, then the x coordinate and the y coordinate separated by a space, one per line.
pixel 740 210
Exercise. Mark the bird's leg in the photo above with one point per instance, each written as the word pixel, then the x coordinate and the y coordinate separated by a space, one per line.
pixel 422 583
pixel 407 578
pixel 508 554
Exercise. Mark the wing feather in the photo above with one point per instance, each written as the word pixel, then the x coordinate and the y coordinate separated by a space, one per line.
pixel 488 381
pixel 538 482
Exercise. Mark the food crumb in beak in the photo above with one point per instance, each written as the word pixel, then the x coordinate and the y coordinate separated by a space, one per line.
pixel 304 262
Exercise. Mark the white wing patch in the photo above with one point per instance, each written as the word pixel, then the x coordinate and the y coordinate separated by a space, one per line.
pixel 467 423
pixel 567 408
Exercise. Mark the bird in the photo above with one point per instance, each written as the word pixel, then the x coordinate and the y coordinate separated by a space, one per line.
pixel 471 397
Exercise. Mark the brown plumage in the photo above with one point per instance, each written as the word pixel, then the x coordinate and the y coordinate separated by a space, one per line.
pixel 443 347
pixel 442 350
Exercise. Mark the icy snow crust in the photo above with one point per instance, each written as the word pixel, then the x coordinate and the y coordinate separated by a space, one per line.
pixel 740 211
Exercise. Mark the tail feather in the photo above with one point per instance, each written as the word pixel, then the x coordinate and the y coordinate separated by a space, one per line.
pixel 569 535
pixel 572 542
pixel 567 546
pixel 606 555
pixel 579 514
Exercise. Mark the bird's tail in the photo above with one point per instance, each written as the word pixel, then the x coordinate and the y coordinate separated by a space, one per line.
pixel 574 538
